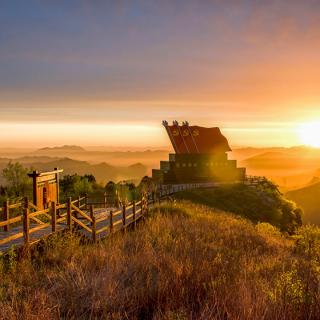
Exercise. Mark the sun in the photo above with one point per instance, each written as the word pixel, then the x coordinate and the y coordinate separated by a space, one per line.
pixel 309 134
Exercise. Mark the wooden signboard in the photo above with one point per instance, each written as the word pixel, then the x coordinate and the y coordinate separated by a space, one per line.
pixel 45 188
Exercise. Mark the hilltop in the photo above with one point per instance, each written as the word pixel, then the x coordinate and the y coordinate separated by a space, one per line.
pixel 309 198
pixel 184 262
pixel 65 148
pixel 258 204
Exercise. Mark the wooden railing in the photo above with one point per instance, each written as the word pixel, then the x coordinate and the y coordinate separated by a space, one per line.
pixel 73 215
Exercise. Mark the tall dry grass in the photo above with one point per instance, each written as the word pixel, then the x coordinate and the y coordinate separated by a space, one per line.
pixel 184 262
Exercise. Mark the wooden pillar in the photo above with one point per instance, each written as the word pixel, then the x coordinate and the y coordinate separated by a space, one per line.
pixel 53 216
pixel 58 186
pixel 134 213
pixel 93 224
pixel 141 205
pixel 124 215
pixel 26 222
pixel 35 187
pixel 105 199
pixel 6 215
pixel 69 215
pixel 147 205
pixel 111 221
pixel 86 201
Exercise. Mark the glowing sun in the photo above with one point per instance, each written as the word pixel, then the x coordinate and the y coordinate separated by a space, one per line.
pixel 309 134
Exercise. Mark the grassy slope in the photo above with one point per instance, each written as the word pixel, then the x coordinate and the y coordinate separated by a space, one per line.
pixel 187 262
pixel 309 199
pixel 256 204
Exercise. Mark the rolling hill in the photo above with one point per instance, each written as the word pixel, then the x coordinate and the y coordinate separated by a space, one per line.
pixel 309 199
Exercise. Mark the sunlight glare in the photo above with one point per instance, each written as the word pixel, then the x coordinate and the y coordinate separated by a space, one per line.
pixel 309 134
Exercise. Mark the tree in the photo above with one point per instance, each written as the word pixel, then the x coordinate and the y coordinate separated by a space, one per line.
pixel 147 184
pixel 17 179
pixel 82 186
pixel 75 185
pixel 91 178
pixel 67 183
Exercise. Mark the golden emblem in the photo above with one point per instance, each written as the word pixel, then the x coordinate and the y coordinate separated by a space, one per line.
pixel 175 133
pixel 195 133
pixel 185 132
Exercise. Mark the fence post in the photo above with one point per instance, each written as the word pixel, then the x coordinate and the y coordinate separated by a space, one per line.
pixel 93 224
pixel 141 205
pixel 105 199
pixel 69 218
pixel 26 222
pixel 134 213
pixel 86 200
pixel 53 216
pixel 124 215
pixel 6 215
pixel 111 221
pixel 147 204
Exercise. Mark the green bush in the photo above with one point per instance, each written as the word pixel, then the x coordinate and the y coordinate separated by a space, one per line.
pixel 256 204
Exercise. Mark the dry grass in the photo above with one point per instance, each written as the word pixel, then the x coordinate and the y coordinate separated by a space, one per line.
pixel 186 262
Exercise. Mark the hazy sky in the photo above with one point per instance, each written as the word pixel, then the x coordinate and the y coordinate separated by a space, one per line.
pixel 107 72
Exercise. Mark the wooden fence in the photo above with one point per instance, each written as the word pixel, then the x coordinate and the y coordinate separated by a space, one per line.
pixel 73 215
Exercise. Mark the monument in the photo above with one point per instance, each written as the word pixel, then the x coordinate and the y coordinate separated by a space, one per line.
pixel 201 155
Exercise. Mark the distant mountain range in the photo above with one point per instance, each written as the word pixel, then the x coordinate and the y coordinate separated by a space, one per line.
pixel 102 171
pixel 291 168
pixel 65 148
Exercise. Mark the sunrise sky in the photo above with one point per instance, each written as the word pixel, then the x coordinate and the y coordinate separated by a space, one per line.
pixel 108 72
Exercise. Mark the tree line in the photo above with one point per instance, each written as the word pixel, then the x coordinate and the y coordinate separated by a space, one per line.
pixel 18 185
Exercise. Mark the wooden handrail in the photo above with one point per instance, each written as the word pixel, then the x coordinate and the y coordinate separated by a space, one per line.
pixel 130 214
pixel 10 221
pixel 37 220
pixel 33 206
pixel 15 205
pixel 93 225
pixel 117 213
pixel 34 214
pixel 117 222
pixel 26 222
pixel 63 218
pixel 102 219
pixel 41 226
pixel 80 212
pixel 11 238
pixel 81 224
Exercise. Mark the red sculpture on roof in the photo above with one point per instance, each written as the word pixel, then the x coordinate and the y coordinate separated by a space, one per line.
pixel 187 139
